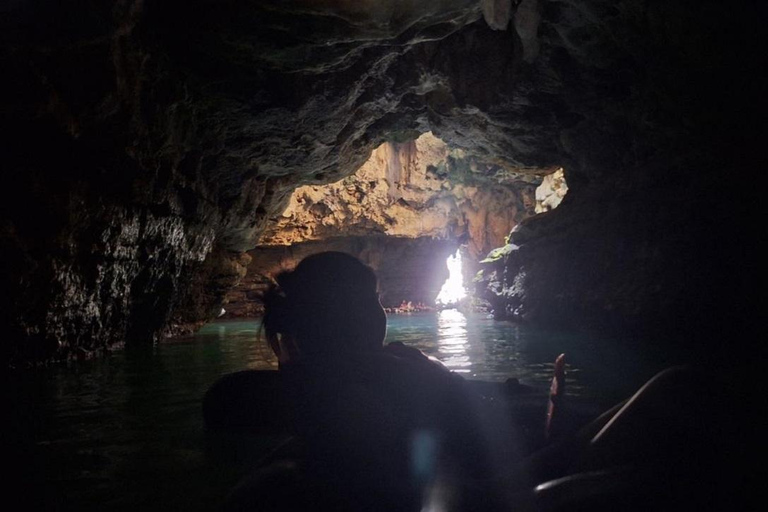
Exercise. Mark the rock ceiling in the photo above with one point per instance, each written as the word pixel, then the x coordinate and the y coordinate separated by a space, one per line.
pixel 414 189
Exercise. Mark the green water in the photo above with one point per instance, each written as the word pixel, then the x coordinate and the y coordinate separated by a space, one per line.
pixel 125 432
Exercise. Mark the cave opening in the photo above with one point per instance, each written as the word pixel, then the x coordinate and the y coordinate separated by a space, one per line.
pixel 406 210
pixel 453 291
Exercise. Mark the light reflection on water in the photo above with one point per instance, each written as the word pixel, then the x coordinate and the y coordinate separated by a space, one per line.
pixel 481 348
pixel 474 345
pixel 452 340
pixel 477 346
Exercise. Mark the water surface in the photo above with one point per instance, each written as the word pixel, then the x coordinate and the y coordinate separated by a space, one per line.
pixel 125 432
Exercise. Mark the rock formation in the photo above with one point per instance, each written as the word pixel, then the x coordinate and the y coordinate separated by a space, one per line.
pixel 415 189
pixel 418 191
pixel 147 143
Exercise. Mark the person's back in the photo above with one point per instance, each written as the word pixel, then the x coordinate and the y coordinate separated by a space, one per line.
pixel 382 423
pixel 372 424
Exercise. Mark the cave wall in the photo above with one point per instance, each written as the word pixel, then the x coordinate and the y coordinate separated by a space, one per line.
pixel 410 269
pixel 146 145
pixel 634 249
pixel 412 189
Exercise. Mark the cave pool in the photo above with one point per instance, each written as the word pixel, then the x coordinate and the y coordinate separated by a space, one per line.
pixel 125 432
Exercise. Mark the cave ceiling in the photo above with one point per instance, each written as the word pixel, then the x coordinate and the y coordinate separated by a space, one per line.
pixel 148 143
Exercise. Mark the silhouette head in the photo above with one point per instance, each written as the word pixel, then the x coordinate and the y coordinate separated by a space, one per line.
pixel 327 306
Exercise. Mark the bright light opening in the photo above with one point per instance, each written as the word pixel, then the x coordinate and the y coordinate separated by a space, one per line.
pixel 551 191
pixel 453 289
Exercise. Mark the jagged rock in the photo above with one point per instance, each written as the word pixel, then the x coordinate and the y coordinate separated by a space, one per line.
pixel 416 189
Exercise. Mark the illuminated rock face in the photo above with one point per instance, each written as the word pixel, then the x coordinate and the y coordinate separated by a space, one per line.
pixel 147 145
pixel 416 189
pixel 551 191
pixel 403 212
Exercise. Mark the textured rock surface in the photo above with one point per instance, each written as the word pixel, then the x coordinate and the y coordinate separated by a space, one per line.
pixel 414 189
pixel 417 189
pixel 146 144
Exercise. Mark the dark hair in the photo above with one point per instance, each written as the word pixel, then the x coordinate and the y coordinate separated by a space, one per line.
pixel 327 305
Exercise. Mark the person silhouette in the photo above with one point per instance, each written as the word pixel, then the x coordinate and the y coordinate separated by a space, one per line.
pixel 384 427
pixel 383 424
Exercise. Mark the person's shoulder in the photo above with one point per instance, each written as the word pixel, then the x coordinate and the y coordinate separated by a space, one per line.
pixel 400 350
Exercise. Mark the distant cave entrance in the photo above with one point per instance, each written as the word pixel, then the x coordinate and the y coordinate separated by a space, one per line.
pixel 406 212
pixel 453 291
pixel 457 291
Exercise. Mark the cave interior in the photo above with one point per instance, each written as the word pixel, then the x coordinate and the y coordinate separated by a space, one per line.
pixel 158 155
pixel 149 147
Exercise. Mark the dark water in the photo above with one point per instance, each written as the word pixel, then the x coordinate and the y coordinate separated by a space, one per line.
pixel 126 432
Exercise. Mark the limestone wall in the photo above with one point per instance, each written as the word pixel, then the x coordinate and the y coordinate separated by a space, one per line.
pixel 415 189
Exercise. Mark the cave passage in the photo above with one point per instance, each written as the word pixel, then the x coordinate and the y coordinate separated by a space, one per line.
pixel 406 209
pixel 164 159
pixel 453 290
